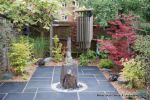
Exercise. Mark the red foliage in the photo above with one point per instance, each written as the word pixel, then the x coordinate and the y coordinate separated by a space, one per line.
pixel 123 35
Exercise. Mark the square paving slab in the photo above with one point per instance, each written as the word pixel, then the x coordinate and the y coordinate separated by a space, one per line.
pixel 39 86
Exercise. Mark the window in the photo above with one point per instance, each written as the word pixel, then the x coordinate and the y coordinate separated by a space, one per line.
pixel 64 4
pixel 64 17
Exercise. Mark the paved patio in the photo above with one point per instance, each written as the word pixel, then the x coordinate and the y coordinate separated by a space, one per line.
pixel 39 87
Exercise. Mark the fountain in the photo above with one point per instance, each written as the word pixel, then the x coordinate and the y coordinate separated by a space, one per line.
pixel 69 74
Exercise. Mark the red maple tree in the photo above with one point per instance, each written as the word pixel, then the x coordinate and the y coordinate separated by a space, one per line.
pixel 123 35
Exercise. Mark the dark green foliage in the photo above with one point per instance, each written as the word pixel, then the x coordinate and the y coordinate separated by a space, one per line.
pixel 146 10
pixel 128 6
pixel 83 59
pixel 142 45
pixel 145 29
pixel 106 63
pixel 90 54
pixel 104 10
pixel 103 55
pixel 86 57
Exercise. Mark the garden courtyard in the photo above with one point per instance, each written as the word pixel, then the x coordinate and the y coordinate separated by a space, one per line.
pixel 74 50
pixel 39 86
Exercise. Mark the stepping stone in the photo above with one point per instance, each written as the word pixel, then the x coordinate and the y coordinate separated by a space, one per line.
pixel 91 83
pixel 100 77
pixel 86 76
pixel 12 87
pixel 2 96
pixel 38 84
pixel 20 96
pixel 45 90
pixel 88 80
pixel 40 79
pixel 91 71
pixel 43 72
pixel 56 96
pixel 30 90
pixel 39 87
pixel 107 88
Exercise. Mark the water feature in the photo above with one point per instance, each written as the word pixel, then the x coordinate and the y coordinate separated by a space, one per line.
pixel 69 75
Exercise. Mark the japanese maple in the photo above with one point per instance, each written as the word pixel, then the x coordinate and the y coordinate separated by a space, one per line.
pixel 123 33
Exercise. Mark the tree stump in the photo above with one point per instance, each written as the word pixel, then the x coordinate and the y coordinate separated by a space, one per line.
pixel 69 82
pixel 68 78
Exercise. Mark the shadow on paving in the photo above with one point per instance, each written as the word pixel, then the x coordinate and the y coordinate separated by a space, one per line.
pixel 39 86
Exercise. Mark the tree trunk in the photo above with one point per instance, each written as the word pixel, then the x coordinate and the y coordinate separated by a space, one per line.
pixel 68 79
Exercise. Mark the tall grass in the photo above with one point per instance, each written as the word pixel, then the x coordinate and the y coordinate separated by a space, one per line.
pixel 40 46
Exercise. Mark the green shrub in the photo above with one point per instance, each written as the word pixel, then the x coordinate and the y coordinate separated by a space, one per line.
pixel 83 60
pixel 145 29
pixel 57 50
pixel 86 57
pixel 106 63
pixel 103 55
pixel 90 54
pixel 20 54
pixel 134 72
pixel 142 45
